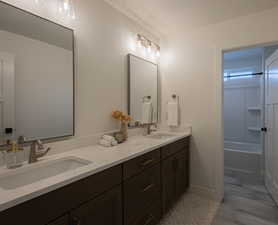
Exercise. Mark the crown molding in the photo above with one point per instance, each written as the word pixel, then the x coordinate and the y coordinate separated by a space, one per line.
pixel 130 14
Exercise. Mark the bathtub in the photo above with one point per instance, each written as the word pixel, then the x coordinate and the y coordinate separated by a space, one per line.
pixel 243 147
pixel 244 160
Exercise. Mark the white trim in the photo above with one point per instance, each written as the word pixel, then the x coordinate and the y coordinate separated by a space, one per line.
pixel 205 192
pixel 271 58
pixel 128 12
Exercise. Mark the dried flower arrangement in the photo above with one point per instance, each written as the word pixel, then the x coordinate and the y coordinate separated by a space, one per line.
pixel 118 115
pixel 124 118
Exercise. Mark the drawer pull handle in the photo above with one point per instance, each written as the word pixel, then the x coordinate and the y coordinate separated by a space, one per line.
pixel 147 162
pixel 149 220
pixel 148 187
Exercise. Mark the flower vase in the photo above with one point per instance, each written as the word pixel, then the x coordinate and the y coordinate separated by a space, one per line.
pixel 124 130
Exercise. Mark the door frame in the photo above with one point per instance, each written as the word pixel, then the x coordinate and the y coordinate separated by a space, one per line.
pixel 269 186
pixel 219 163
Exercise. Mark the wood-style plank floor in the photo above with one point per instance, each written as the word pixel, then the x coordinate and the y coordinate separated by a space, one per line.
pixel 246 204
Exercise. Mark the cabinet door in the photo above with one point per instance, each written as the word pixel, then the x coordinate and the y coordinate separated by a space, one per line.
pixel 61 221
pixel 182 173
pixel 168 183
pixel 175 178
pixel 104 210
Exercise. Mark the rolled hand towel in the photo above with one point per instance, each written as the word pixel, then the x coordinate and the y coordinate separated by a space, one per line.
pixel 108 138
pixel 147 111
pixel 105 143
pixel 173 114
pixel 114 143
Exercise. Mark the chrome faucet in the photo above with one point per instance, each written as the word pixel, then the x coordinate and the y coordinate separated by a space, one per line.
pixel 148 127
pixel 37 151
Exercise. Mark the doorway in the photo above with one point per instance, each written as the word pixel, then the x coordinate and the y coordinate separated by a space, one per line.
pixel 250 78
pixel 244 114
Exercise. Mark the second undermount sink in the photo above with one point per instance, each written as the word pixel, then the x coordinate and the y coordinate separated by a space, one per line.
pixel 161 135
pixel 39 171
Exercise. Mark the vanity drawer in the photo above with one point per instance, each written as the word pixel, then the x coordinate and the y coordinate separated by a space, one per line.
pixel 151 216
pixel 175 147
pixel 43 209
pixel 140 192
pixel 137 165
pixel 61 221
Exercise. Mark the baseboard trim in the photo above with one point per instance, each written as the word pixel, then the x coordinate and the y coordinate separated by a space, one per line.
pixel 205 192
pixel 238 170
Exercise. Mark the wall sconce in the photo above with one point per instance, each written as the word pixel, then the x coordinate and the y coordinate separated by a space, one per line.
pixel 66 7
pixel 148 45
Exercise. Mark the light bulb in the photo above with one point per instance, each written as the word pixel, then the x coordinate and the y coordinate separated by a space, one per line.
pixel 66 5
pixel 144 51
pixel 139 44
pixel 149 49
pixel 158 53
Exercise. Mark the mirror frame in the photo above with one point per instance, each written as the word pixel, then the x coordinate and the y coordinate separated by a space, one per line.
pixel 49 139
pixel 129 91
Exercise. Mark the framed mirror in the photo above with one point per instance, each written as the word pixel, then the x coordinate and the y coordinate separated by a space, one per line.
pixel 143 88
pixel 36 76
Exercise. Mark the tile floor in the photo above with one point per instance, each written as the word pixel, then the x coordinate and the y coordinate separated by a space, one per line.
pixel 244 204
pixel 191 210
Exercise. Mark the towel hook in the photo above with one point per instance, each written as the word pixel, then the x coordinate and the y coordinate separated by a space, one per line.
pixel 148 97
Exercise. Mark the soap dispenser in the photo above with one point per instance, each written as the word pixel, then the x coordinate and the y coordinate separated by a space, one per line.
pixel 14 155
pixel 11 155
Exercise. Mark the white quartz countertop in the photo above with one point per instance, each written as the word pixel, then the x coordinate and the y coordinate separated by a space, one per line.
pixel 100 158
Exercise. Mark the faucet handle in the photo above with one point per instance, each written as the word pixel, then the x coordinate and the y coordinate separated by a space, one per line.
pixel 21 139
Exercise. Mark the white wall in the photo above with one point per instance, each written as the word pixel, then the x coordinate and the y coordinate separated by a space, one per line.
pixel 103 38
pixel 191 68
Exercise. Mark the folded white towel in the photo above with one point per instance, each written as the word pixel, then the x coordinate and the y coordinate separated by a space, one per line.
pixel 108 138
pixel 105 143
pixel 114 143
pixel 147 111
pixel 173 114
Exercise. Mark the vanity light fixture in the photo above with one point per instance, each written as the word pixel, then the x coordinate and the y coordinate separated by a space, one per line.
pixel 66 7
pixel 148 45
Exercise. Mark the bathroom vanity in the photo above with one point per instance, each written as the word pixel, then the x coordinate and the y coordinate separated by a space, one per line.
pixel 134 183
pixel 137 190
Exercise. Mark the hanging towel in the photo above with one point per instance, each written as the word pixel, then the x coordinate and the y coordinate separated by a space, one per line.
pixel 147 111
pixel 173 114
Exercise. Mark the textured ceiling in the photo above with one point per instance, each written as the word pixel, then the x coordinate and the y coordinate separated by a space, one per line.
pixel 170 16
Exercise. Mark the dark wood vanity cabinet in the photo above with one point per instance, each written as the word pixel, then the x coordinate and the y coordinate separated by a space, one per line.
pixel 104 210
pixel 137 192
pixel 175 179
pixel 141 193
pixel 64 220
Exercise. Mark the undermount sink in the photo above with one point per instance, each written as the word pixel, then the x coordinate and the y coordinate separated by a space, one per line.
pixel 161 135
pixel 39 171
